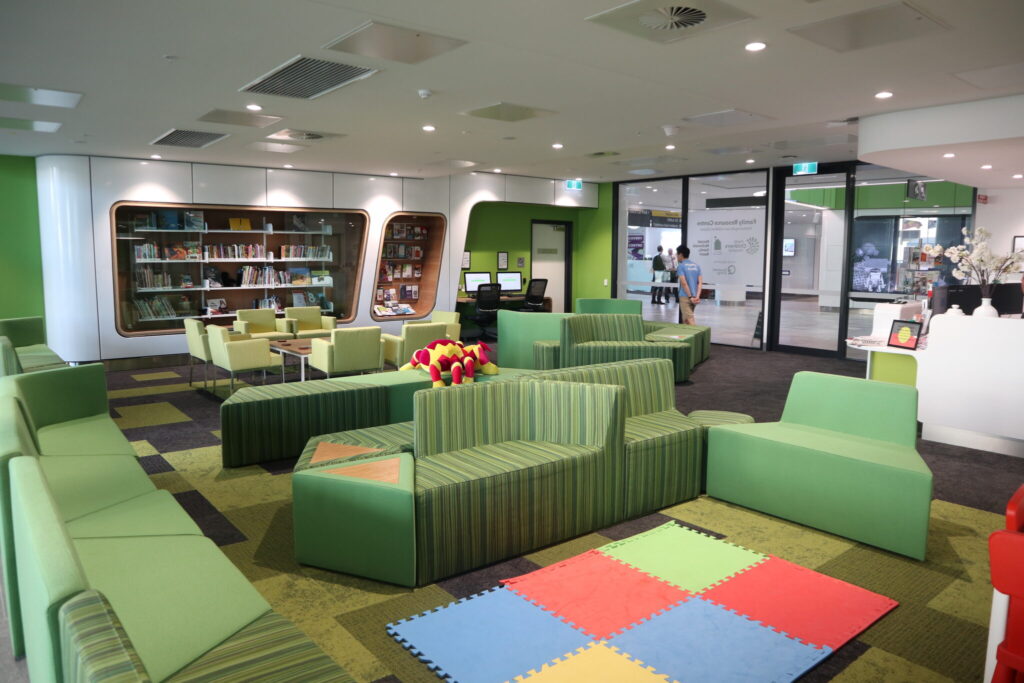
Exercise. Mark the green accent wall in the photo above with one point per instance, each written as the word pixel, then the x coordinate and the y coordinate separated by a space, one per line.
pixel 21 268
pixel 506 226
pixel 943 193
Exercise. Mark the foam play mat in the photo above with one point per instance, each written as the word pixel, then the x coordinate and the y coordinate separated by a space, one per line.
pixel 670 604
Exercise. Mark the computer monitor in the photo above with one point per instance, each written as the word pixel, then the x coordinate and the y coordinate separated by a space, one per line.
pixel 474 280
pixel 511 282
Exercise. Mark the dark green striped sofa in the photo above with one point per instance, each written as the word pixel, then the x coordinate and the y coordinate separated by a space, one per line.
pixel 116 582
pixel 501 468
pixel 23 347
pixel 602 338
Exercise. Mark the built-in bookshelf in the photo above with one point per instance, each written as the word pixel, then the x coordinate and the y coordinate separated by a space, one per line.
pixel 174 261
pixel 409 265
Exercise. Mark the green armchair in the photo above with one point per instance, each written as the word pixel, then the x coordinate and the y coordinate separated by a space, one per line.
pixel 263 323
pixel 238 355
pixel 309 322
pixel 603 338
pixel 451 319
pixel 25 348
pixel 398 349
pixel 350 349
pixel 199 346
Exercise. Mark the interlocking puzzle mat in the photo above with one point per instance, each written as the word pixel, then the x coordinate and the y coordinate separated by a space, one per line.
pixel 670 604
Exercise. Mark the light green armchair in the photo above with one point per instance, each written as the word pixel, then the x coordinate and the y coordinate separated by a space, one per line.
pixel 451 319
pixel 309 322
pixel 263 323
pixel 350 349
pixel 398 349
pixel 237 355
pixel 199 346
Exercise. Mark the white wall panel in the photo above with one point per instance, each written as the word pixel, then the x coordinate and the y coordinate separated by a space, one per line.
pixel 239 185
pixel 116 180
pixel 431 195
pixel 529 190
pixel 66 238
pixel 309 189
pixel 466 192
pixel 586 198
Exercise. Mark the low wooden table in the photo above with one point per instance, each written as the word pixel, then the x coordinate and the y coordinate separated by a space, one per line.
pixel 299 348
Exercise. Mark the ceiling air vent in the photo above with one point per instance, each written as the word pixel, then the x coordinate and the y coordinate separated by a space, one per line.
pixel 307 78
pixel 303 135
pixel 177 137
pixel 672 18
pixel 601 155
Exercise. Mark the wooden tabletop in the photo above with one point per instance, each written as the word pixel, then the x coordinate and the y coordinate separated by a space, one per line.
pixel 297 346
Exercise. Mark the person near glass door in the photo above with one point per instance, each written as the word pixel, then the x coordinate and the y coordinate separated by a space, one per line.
pixel 671 264
pixel 658 269
pixel 691 281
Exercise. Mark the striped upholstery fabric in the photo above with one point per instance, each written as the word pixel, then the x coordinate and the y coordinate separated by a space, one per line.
pixel 648 382
pixel 710 418
pixel 9 364
pixel 484 504
pixel 689 339
pixel 273 422
pixel 269 649
pixel 588 339
pixel 663 461
pixel 396 438
pixel 608 352
pixel 699 335
pixel 94 644
pixel 38 357
pixel 546 354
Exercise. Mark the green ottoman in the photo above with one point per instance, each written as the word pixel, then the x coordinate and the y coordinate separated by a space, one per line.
pixel 546 354
pixel 358 518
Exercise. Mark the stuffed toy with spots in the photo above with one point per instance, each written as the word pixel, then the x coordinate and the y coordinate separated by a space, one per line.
pixel 442 355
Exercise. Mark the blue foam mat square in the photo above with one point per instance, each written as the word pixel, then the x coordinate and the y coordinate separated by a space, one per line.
pixel 493 636
pixel 700 641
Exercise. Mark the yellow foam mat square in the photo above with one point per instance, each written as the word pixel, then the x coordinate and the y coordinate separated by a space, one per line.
pixel 150 376
pixel 149 415
pixel 598 663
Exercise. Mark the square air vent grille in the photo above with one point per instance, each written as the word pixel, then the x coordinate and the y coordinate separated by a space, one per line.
pixel 307 78
pixel 177 137
pixel 662 21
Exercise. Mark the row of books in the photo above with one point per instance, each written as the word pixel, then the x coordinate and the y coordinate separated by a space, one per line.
pixel 163 219
pixel 147 278
pixel 316 252
pixel 267 276
pixel 247 251
pixel 158 307
pixel 182 251
pixel 215 306
pixel 402 293
pixel 402 250
pixel 399 271
pixel 405 231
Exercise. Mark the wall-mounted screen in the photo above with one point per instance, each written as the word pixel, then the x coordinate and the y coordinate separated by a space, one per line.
pixel 511 282
pixel 788 247
pixel 474 280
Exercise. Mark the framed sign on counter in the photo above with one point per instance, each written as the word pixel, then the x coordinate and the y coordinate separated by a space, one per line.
pixel 905 334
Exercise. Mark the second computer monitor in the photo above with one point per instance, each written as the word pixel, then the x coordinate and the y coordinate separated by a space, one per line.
pixel 474 280
pixel 511 282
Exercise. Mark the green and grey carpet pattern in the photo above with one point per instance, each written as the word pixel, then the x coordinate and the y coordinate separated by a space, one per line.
pixel 937 633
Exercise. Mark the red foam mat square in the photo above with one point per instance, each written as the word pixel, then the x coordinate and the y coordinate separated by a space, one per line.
pixel 801 603
pixel 596 594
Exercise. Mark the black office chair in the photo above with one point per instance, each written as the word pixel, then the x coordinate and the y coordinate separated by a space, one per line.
pixel 488 299
pixel 534 300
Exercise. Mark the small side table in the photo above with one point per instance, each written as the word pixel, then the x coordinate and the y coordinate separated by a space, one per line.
pixel 298 348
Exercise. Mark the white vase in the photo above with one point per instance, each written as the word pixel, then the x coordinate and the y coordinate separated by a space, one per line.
pixel 986 309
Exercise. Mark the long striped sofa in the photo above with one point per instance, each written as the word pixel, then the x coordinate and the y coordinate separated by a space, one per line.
pixel 500 469
pixel 23 347
pixel 603 338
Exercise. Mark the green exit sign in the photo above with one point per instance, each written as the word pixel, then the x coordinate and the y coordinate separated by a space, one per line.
pixel 805 168
pixel 574 184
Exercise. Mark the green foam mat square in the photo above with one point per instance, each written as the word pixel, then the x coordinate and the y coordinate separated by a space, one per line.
pixel 688 559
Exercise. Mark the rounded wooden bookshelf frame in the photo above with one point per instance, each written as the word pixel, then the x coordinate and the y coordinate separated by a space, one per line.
pixel 433 253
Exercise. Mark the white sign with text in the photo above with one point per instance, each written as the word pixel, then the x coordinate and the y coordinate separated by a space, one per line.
pixel 728 245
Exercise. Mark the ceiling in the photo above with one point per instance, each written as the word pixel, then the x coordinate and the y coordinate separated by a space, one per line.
pixel 147 66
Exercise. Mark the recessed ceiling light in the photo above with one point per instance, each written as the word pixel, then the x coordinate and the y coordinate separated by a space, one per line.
pixel 579 180
pixel 372 179
pixel 254 107
pixel 750 161
pixel 755 46
pixel 288 166
pixel 948 155
pixel 703 191
pixel 883 95
pixel 557 145
pixel 670 147
pixel 144 163
pixel 1018 176
pixel 654 190
pixel 647 187
pixel 497 170
pixel 986 167
pixel 639 202
pixel 392 174
pixel 155 156
pixel 429 128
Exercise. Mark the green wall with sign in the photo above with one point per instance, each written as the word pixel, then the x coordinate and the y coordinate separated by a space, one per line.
pixel 943 193
pixel 21 267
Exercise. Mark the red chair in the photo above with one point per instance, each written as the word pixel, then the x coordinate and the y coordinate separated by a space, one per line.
pixel 1006 557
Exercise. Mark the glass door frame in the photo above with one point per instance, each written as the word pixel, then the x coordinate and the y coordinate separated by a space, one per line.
pixel 778 219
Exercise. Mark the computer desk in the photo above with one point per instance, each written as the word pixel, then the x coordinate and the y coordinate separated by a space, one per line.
pixel 505 299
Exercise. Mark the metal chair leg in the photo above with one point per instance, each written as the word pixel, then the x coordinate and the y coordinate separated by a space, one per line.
pixel 206 372
pixel 190 369
pixel 232 387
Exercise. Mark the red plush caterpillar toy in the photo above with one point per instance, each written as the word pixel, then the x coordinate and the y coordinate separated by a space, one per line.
pixel 442 355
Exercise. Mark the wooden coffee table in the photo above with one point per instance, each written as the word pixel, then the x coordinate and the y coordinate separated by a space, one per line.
pixel 299 348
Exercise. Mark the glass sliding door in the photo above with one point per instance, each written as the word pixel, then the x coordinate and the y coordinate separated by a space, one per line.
pixel 649 217
pixel 725 230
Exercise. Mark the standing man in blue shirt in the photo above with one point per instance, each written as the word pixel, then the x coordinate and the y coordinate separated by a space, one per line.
pixel 690 283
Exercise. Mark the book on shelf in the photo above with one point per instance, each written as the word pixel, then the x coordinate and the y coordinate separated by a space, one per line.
pixel 272 302
pixel 240 224
pixel 407 271
pixel 169 219
pixel 195 220
pixel 299 276
pixel 193 251
pixel 234 251
pixel 417 271
pixel 185 281
pixel 392 309
pixel 322 277
pixel 416 252
pixel 379 297
pixel 409 292
pixel 216 306
pixel 175 252
pixel 316 252
pixel 299 299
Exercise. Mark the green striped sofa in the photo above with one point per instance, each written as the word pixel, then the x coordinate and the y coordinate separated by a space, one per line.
pixel 602 338
pixel 116 582
pixel 23 347
pixel 501 468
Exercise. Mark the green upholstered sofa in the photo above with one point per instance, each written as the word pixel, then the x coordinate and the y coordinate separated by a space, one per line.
pixel 841 459
pixel 115 584
pixel 628 306
pixel 23 346
pixel 501 468
pixel 596 338
pixel 697 336
pixel 274 422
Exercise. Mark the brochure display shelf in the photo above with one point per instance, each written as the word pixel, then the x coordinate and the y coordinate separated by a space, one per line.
pixel 408 267
pixel 175 261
